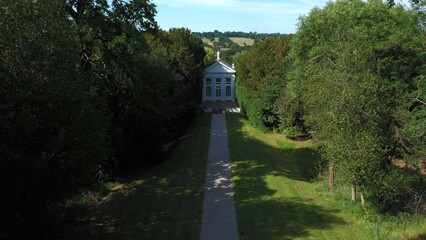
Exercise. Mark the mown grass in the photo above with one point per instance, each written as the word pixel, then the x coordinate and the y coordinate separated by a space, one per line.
pixel 241 41
pixel 278 195
pixel 163 203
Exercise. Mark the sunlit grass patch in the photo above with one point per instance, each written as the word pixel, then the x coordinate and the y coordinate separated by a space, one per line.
pixel 274 193
pixel 280 194
pixel 286 145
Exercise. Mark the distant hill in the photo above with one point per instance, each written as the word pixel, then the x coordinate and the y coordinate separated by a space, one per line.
pixel 233 34
pixel 232 40
pixel 241 41
pixel 231 43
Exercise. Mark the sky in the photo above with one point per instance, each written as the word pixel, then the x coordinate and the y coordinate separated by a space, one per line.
pixel 262 16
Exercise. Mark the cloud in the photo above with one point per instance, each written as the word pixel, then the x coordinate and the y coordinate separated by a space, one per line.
pixel 253 7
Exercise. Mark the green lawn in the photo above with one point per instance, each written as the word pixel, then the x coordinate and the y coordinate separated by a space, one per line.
pixel 275 195
pixel 164 203
pixel 274 192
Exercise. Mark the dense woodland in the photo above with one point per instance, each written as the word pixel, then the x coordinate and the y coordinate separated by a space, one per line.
pixel 91 90
pixel 353 77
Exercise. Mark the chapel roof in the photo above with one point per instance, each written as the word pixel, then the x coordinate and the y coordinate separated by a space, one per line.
pixel 219 67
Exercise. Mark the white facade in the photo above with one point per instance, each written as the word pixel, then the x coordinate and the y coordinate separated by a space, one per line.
pixel 219 83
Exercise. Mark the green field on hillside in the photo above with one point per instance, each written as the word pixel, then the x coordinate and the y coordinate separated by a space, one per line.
pixel 240 41
pixel 207 41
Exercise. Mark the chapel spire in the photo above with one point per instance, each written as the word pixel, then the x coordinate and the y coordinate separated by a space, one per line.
pixel 218 56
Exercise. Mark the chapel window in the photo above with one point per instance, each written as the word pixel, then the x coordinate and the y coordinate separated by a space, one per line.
pixel 228 91
pixel 208 91
pixel 218 91
pixel 218 80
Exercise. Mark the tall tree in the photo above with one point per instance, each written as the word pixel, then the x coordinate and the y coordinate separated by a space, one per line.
pixel 53 135
pixel 257 90
pixel 355 61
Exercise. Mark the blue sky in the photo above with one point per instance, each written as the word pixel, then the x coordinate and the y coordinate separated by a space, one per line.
pixel 262 16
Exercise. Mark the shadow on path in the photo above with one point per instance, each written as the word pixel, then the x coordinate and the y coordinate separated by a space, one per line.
pixel 219 218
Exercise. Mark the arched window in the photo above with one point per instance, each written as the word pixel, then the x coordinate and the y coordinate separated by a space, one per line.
pixel 228 91
pixel 208 91
pixel 218 91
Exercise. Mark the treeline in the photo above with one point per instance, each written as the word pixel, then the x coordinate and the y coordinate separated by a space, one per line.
pixel 253 35
pixel 88 90
pixel 353 78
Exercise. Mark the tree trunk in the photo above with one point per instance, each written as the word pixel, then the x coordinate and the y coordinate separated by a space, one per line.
pixel 331 175
pixel 362 199
pixel 353 192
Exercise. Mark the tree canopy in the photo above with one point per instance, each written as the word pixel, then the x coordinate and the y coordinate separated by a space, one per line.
pixel 257 89
pixel 354 80
pixel 90 89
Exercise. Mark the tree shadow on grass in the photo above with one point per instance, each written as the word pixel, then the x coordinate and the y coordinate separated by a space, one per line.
pixel 164 203
pixel 157 208
pixel 284 218
pixel 260 171
pixel 419 237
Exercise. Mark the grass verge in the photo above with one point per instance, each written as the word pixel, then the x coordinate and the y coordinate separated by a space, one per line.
pixel 278 197
pixel 163 203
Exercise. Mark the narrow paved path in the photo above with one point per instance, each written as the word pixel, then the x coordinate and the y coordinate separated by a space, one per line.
pixel 219 219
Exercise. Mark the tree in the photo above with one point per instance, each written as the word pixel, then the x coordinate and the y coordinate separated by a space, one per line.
pixel 210 57
pixel 290 106
pixel 100 91
pixel 184 54
pixel 257 90
pixel 354 61
pixel 53 133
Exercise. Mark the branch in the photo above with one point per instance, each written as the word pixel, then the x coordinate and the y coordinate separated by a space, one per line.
pixel 420 101
pixel 401 140
pixel 72 12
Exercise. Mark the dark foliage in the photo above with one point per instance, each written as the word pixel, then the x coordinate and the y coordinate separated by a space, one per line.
pixel 87 91
pixel 258 89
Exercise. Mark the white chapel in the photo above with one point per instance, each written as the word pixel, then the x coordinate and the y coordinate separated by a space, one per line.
pixel 219 82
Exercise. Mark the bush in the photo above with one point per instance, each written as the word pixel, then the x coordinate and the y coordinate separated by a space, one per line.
pixel 295 132
pixel 400 190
